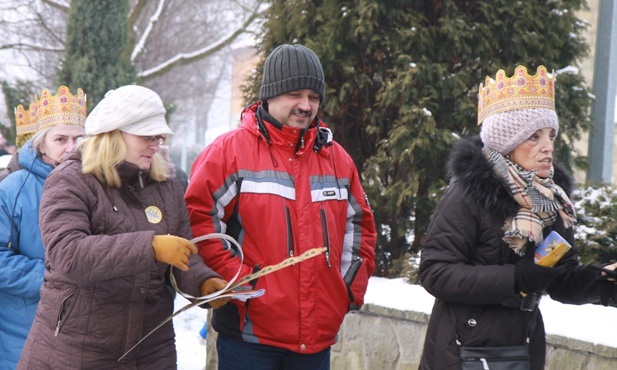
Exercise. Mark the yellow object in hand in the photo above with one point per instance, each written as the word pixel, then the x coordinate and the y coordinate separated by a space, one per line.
pixel 550 251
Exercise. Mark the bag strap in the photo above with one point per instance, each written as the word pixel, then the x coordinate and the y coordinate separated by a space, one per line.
pixel 530 326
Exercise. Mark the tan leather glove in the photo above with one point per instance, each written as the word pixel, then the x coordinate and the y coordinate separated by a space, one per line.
pixel 173 250
pixel 213 285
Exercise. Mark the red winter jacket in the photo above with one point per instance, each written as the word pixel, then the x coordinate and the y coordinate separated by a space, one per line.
pixel 280 195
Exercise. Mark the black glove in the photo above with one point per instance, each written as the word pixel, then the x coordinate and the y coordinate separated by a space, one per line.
pixel 608 293
pixel 532 278
pixel 603 289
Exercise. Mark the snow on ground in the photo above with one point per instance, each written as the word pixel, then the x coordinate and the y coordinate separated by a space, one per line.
pixel 591 323
pixel 190 346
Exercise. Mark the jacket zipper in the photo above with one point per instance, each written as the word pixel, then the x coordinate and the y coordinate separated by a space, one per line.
pixel 64 310
pixel 325 236
pixel 290 235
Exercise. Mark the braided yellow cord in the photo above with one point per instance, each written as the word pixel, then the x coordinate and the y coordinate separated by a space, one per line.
pixel 285 263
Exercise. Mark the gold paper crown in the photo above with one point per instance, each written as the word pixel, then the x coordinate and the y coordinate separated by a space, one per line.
pixel 61 109
pixel 521 91
pixel 25 120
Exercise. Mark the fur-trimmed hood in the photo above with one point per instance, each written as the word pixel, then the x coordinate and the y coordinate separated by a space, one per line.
pixel 468 166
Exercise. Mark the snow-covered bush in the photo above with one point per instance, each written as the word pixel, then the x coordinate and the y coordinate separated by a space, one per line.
pixel 596 230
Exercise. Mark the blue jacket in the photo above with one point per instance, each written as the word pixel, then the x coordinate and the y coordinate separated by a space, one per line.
pixel 21 253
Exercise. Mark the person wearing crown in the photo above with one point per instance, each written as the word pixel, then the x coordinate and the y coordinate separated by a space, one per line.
pixel 114 223
pixel 26 127
pixel 55 124
pixel 505 196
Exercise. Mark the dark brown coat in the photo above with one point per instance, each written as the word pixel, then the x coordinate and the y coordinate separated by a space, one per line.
pixel 103 289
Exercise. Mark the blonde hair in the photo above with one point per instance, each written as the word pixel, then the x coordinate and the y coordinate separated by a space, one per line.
pixel 101 155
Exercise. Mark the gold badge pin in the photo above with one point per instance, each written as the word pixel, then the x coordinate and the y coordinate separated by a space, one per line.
pixel 154 214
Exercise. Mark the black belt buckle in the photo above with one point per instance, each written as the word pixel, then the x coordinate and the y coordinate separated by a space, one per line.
pixel 529 302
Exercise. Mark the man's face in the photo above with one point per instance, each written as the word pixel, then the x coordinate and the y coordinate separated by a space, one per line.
pixel 296 108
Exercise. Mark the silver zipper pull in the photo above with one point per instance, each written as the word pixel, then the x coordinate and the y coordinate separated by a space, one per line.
pixel 484 363
pixel 57 328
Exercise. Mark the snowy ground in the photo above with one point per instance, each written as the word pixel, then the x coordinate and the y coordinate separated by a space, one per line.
pixel 592 323
pixel 189 344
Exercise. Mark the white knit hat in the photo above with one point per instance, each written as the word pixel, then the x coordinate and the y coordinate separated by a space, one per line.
pixel 133 109
pixel 505 131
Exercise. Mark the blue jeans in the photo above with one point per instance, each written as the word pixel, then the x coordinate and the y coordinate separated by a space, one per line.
pixel 238 355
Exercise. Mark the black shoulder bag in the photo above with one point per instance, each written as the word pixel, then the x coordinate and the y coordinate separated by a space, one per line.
pixel 494 358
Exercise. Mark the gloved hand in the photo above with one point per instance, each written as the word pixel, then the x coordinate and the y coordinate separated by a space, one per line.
pixel 173 250
pixel 604 287
pixel 608 293
pixel 532 278
pixel 213 285
pixel 612 267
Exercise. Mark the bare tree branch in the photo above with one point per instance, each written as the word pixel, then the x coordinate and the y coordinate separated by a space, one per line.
pixel 50 32
pixel 133 17
pixel 187 58
pixel 29 47
pixel 135 11
pixel 144 37
pixel 60 5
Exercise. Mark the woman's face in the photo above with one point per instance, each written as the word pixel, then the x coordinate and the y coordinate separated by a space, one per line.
pixel 141 149
pixel 536 153
pixel 59 141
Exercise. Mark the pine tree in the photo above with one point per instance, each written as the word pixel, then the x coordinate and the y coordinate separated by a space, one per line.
pixel 402 80
pixel 97 56
pixel 596 236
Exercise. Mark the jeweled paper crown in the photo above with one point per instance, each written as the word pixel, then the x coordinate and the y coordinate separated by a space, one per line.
pixel 61 109
pixel 25 119
pixel 521 91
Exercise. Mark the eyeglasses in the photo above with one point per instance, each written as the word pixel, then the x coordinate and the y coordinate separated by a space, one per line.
pixel 154 140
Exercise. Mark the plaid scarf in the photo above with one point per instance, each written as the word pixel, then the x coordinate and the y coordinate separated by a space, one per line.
pixel 541 201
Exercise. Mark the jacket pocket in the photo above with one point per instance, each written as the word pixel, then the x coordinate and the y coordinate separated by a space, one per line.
pixel 66 306
pixel 468 320
pixel 350 276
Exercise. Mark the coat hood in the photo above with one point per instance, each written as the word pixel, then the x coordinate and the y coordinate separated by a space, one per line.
pixel 29 160
pixel 256 119
pixel 468 166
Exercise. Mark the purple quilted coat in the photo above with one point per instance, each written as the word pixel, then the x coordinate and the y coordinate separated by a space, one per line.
pixel 103 289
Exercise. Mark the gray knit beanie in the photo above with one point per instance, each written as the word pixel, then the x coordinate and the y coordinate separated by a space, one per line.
pixel 289 68
pixel 505 131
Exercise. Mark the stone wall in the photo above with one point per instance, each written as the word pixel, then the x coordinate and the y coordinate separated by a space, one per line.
pixel 381 338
